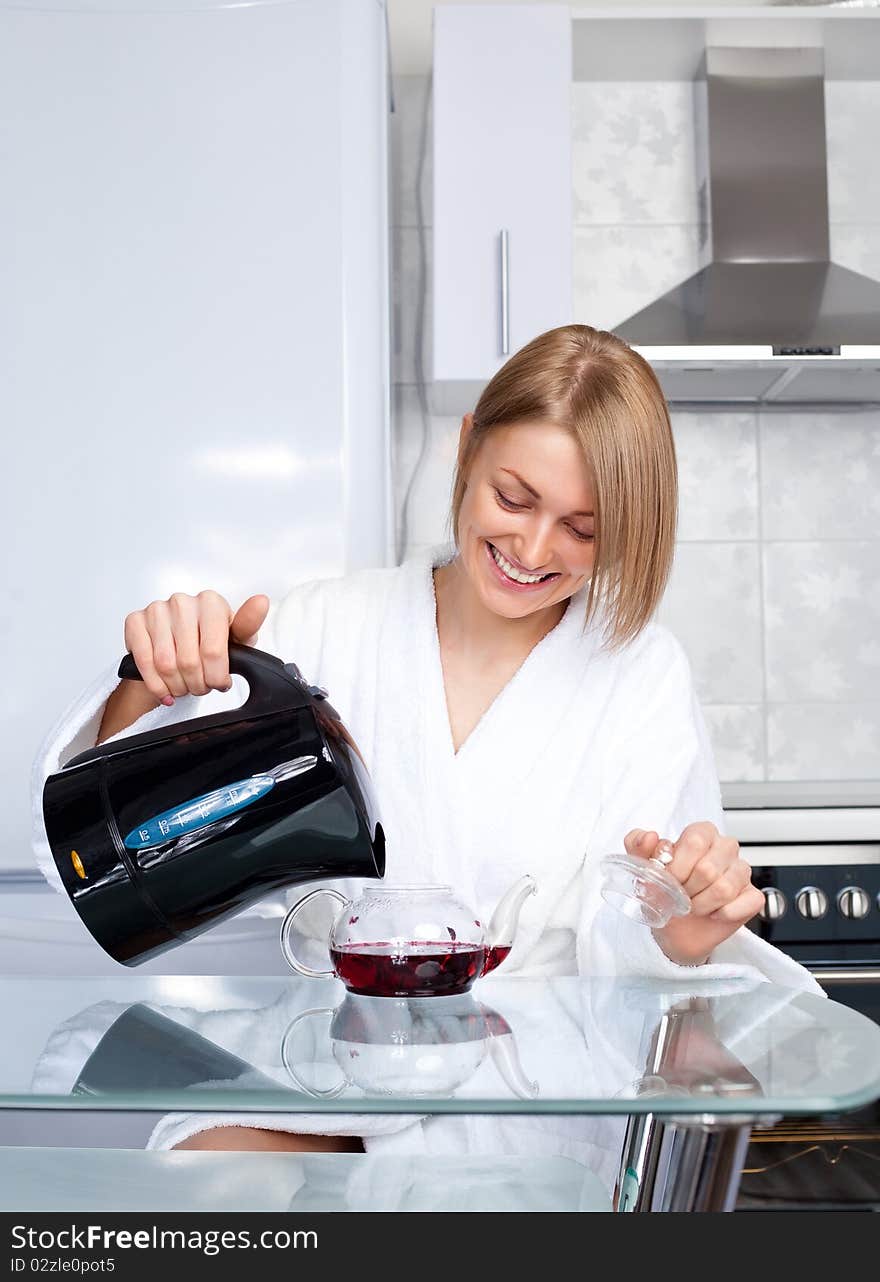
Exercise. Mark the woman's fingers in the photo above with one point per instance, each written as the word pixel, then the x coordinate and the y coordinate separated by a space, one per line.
pixel 164 656
pixel 742 909
pixel 214 616
pixel 699 857
pixel 641 842
pixel 713 864
pixel 716 879
pixel 699 844
pixel 718 882
pixel 140 643
pixel 181 646
pixel 184 612
pixel 249 618
pixel 725 890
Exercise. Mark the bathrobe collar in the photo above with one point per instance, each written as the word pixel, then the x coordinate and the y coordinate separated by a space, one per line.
pixel 524 715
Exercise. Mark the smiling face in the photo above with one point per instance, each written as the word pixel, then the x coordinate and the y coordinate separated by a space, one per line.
pixel 526 528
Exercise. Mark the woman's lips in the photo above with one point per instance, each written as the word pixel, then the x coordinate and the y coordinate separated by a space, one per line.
pixel 511 584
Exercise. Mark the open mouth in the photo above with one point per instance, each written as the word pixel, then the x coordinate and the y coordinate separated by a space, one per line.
pixel 510 575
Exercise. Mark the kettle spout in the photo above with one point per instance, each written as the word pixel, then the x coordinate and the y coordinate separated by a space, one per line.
pixel 502 928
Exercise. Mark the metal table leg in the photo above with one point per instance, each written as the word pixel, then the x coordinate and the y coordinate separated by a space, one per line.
pixel 683 1163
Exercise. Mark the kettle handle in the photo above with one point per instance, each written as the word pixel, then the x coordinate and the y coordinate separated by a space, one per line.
pixel 265 674
pixel 273 687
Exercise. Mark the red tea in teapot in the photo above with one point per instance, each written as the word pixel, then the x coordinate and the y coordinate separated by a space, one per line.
pixel 414 969
pixel 409 941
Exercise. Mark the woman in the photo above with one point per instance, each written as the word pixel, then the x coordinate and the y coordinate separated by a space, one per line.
pixel 517 708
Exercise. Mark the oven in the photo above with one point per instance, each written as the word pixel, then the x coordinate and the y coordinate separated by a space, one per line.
pixel 815 852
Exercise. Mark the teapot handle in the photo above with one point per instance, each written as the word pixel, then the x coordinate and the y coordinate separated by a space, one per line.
pixel 332 1091
pixel 286 925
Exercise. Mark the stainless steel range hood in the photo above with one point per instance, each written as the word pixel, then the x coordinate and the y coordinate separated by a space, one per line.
pixel 770 319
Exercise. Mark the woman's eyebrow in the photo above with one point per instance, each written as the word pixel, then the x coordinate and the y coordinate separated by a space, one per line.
pixel 534 493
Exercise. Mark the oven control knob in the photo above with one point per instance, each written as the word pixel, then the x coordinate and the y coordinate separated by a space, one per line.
pixel 775 904
pixel 854 902
pixel 811 902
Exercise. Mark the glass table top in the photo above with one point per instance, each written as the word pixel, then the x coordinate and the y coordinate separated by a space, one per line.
pixel 511 1045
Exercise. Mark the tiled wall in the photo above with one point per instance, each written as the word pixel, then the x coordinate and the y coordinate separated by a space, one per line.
pixel 776 588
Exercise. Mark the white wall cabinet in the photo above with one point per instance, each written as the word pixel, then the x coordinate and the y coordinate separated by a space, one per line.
pixel 502 183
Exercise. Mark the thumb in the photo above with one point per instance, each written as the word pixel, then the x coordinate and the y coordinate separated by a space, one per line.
pixel 640 842
pixel 248 619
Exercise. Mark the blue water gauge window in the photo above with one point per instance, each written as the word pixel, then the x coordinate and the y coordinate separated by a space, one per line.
pixel 195 815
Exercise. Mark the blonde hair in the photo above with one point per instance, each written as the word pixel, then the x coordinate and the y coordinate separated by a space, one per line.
pixel 607 396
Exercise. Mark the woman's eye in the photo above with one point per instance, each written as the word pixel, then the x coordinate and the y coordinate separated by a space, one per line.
pixel 513 506
pixel 508 503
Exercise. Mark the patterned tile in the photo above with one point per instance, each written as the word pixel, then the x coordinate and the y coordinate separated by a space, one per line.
pixel 717 472
pixel 619 270
pixel 820 475
pixel 737 734
pixel 712 605
pixel 824 740
pixel 406 125
pixel 633 153
pixel 822 619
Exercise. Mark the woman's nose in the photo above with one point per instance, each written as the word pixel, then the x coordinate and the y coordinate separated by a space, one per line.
pixel 536 547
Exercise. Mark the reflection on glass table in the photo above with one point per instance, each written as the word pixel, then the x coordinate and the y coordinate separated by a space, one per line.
pixel 417 1047
pixel 705 1061
pixel 578 1045
pixel 414 1047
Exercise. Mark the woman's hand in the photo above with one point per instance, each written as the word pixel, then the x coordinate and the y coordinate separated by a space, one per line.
pixel 181 646
pixel 718 881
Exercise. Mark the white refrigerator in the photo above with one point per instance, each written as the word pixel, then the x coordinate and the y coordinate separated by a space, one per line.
pixel 194 355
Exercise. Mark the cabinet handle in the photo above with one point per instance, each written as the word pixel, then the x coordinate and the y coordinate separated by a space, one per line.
pixel 505 292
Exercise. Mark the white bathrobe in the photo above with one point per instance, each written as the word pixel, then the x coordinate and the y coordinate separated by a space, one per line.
pixel 580 747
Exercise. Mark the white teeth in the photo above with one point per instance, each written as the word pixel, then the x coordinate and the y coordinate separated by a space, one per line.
pixel 512 573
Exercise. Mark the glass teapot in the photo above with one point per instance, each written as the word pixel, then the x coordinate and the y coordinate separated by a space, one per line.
pixel 409 941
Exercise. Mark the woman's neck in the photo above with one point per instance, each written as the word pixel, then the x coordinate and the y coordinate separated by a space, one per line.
pixel 467 625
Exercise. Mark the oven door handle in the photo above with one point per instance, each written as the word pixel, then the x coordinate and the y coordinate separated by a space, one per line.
pixel 862 975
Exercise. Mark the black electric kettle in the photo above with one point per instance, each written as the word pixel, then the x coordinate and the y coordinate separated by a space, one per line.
pixel 161 835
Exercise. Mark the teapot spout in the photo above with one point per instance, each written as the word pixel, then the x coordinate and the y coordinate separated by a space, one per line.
pixel 502 928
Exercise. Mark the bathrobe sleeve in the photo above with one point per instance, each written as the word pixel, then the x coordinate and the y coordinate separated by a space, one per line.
pixel 296 615
pixel 659 774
